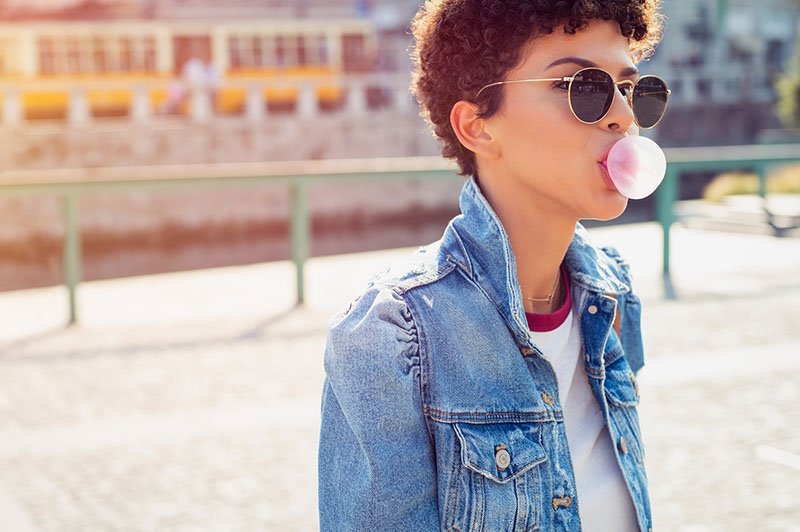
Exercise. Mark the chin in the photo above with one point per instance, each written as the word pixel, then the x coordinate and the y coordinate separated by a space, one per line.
pixel 611 212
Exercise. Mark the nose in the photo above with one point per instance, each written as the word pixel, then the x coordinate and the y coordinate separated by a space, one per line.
pixel 620 116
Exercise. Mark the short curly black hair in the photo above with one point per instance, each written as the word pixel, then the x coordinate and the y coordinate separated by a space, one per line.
pixel 462 45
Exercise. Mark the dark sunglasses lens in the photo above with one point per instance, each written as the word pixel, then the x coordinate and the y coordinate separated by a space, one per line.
pixel 649 101
pixel 591 94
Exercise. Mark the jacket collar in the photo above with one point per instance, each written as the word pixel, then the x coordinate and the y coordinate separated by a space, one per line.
pixel 477 241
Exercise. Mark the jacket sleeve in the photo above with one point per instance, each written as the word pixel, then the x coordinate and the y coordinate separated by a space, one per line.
pixel 376 460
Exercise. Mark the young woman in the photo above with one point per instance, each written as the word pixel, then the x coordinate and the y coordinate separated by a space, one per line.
pixel 490 383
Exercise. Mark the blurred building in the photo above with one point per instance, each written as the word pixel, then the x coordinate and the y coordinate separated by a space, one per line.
pixel 324 65
pixel 721 59
pixel 214 80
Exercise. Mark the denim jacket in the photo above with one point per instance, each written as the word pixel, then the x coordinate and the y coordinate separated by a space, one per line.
pixel 431 375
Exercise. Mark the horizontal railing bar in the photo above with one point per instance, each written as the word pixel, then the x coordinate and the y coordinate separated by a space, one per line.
pixel 103 178
pixel 747 154
pixel 235 181
pixel 71 183
pixel 226 174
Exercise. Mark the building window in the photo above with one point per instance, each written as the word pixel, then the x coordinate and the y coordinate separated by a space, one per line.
pixel 47 61
pixel 353 53
pixel 96 54
pixel 313 50
pixel 775 51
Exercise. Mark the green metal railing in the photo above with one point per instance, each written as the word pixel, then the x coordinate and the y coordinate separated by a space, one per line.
pixel 71 184
pixel 712 159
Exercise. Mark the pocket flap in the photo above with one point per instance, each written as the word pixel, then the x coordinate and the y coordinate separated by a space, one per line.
pixel 621 388
pixel 481 443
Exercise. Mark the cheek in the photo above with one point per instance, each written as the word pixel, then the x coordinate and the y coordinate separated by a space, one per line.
pixel 555 142
pixel 538 132
pixel 547 135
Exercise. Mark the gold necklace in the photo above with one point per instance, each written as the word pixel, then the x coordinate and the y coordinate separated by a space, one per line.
pixel 549 297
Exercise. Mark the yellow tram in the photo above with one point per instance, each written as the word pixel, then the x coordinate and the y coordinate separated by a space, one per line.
pixel 62 56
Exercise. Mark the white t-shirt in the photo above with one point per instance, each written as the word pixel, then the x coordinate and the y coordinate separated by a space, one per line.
pixel 604 503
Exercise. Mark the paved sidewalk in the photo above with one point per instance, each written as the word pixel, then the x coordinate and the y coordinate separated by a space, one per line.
pixel 190 401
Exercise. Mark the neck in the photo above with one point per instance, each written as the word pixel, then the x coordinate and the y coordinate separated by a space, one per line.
pixel 539 235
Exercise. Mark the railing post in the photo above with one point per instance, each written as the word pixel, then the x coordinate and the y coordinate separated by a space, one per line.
pixel 72 253
pixel 12 108
pixel 666 196
pixel 301 234
pixel 255 104
pixel 307 101
pixel 762 169
pixel 141 104
pixel 79 112
pixel 201 104
pixel 402 98
pixel 357 99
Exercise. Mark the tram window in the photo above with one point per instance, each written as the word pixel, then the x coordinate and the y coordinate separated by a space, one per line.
pixel 45 47
pixel 301 51
pixel 287 50
pixel 73 55
pixel 235 52
pixel 255 46
pixel 322 50
pixel 85 55
pixel 137 55
pixel 99 51
pixel 150 54
pixel 280 51
pixel 267 51
pixel 125 53
pixel 353 56
pixel 312 50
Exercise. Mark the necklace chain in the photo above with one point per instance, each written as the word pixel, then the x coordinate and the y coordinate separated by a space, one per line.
pixel 549 297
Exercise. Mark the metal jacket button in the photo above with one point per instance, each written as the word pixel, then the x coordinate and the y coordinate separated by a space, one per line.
pixel 501 457
pixel 592 309
pixel 623 444
pixel 565 501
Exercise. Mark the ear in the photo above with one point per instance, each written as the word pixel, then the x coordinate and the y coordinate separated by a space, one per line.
pixel 472 130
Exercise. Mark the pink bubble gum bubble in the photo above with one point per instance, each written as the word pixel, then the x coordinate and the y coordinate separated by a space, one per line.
pixel 637 166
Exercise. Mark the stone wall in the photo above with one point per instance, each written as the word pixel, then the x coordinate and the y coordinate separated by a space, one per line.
pixel 146 232
pixel 181 141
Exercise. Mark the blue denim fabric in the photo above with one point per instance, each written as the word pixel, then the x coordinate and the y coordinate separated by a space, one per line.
pixel 431 376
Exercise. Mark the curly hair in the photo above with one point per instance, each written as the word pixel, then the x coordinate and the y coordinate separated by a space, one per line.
pixel 462 45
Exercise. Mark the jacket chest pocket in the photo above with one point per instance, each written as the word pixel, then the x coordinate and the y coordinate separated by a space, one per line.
pixel 496 480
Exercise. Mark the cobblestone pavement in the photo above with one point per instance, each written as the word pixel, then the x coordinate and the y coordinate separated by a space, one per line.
pixel 190 401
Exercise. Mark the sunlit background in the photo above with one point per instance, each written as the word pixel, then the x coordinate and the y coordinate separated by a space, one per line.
pixel 189 189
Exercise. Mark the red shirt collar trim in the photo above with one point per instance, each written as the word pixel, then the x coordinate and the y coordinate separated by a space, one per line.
pixel 553 320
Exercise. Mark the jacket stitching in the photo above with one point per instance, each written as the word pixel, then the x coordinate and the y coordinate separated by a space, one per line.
pixel 492 417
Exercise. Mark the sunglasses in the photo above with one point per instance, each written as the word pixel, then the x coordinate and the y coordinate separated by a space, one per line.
pixel 591 93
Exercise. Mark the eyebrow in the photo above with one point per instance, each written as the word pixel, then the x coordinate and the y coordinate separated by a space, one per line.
pixel 625 72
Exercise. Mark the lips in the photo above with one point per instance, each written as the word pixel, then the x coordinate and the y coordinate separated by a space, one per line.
pixel 606 178
pixel 604 157
pixel 603 163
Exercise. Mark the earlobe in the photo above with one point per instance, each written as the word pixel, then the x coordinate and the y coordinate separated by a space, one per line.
pixel 471 129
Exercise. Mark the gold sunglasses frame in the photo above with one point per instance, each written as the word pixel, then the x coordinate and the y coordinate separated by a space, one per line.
pixel 570 79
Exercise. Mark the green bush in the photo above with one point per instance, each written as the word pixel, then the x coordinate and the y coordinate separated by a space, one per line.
pixel 785 180
pixel 787 86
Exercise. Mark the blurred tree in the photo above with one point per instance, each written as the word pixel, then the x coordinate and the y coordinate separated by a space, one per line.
pixel 787 86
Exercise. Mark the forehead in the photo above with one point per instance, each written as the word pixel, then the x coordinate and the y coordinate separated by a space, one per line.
pixel 599 42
